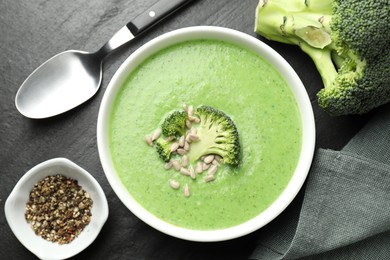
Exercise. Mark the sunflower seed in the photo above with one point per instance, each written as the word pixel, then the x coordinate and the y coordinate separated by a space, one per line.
pixel 175 165
pixel 182 141
pixel 168 165
pixel 186 146
pixel 194 131
pixel 193 137
pixel 209 159
pixel 205 166
pixel 209 178
pixel 174 184
pixel 148 140
pixel 188 124
pixel 184 171
pixel 192 172
pixel 190 111
pixel 181 151
pixel 215 162
pixel 156 134
pixel 186 191
pixel 184 161
pixel 194 119
pixel 174 147
pixel 219 159
pixel 199 167
pixel 212 170
pixel 321 19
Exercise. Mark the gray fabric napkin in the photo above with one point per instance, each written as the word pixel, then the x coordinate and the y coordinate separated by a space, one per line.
pixel 345 212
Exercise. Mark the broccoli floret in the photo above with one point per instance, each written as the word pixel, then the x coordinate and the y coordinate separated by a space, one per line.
pixel 174 124
pixel 163 148
pixel 218 135
pixel 348 42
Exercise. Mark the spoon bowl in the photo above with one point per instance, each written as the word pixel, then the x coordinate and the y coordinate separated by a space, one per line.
pixel 60 84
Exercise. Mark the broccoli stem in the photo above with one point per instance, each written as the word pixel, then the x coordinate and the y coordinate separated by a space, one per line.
pixel 205 145
pixel 292 22
pixel 322 59
pixel 337 59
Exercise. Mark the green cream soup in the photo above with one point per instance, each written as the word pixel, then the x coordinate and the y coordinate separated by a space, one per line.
pixel 226 77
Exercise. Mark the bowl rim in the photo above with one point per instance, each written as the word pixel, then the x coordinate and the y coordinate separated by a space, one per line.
pixel 243 40
pixel 22 230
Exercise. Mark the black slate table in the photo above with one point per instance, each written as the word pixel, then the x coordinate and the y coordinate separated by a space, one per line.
pixel 33 31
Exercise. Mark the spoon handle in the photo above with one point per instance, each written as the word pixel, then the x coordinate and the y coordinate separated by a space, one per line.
pixel 155 14
pixel 141 23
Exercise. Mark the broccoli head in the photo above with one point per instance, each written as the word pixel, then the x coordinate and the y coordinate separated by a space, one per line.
pixel 347 41
pixel 218 135
pixel 163 148
pixel 174 124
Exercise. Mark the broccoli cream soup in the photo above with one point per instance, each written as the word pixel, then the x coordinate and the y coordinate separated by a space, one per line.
pixel 228 78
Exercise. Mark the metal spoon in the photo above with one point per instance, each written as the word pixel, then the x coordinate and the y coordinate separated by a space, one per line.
pixel 72 77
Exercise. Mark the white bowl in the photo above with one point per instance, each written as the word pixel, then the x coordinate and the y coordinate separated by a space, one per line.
pixel 16 204
pixel 246 41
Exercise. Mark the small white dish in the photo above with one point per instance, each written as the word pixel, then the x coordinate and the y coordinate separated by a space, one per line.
pixel 16 204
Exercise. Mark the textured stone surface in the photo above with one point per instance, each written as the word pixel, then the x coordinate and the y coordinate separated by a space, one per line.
pixel 33 31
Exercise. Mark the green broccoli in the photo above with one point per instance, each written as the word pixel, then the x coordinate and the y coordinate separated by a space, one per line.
pixel 174 124
pixel 348 41
pixel 163 148
pixel 217 134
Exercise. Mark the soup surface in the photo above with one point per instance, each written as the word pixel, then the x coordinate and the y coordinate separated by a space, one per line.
pixel 226 77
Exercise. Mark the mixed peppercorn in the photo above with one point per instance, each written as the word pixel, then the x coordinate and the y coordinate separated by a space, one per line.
pixel 58 209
